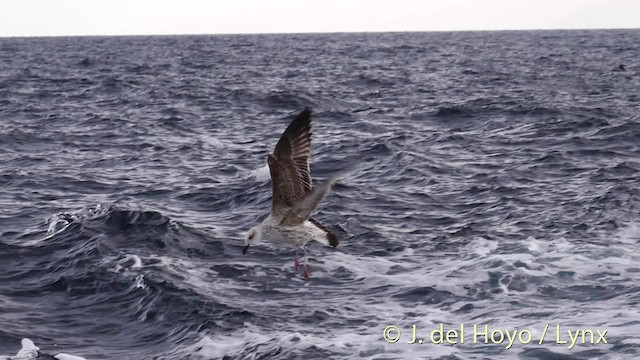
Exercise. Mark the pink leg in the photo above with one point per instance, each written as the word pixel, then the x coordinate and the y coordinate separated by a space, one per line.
pixel 306 272
pixel 296 263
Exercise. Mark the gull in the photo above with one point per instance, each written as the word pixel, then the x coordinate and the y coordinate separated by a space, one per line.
pixel 293 199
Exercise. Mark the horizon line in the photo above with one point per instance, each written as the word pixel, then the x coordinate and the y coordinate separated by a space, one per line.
pixel 318 32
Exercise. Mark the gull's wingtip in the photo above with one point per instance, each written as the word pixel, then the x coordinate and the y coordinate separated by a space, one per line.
pixel 304 114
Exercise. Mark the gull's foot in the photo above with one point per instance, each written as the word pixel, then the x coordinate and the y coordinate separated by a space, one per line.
pixel 306 273
pixel 296 263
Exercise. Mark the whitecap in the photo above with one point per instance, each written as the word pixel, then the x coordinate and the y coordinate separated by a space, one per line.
pixel 30 351
pixel 260 174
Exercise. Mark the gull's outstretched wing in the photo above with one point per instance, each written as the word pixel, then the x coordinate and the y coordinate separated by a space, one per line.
pixel 304 207
pixel 289 165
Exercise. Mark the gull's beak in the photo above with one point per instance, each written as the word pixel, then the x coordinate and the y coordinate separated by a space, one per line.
pixel 244 249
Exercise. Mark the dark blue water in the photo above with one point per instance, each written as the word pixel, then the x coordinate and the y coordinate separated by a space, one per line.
pixel 499 186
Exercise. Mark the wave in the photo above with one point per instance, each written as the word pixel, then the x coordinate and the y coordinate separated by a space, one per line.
pixel 30 351
pixel 489 106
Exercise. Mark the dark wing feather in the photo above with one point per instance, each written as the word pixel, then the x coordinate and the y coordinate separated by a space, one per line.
pixel 289 164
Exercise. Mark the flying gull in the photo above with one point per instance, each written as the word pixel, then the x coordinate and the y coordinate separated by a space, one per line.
pixel 293 200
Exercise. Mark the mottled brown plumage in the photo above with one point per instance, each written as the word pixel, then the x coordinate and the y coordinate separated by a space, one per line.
pixel 289 165
pixel 293 199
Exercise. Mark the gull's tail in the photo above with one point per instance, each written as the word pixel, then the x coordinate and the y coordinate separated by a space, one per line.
pixel 331 238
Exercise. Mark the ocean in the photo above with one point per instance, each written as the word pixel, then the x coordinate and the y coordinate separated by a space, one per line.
pixel 493 214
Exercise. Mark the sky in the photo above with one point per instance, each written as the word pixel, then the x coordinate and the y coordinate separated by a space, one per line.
pixel 160 17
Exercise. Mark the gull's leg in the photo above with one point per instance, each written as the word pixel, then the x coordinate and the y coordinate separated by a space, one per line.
pixel 306 272
pixel 296 263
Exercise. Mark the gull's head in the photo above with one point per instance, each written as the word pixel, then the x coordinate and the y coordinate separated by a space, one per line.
pixel 253 235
